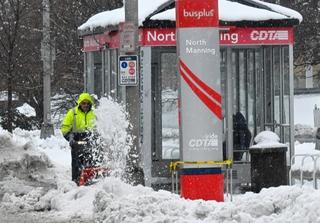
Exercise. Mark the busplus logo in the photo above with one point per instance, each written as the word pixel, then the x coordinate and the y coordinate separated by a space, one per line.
pixel 198 14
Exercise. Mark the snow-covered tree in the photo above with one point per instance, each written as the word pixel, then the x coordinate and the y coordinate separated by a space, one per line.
pixel 18 51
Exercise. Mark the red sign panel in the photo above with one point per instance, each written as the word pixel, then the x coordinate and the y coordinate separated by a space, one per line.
pixel 195 13
pixel 167 37
pixel 94 42
pixel 97 42
pixel 159 37
pixel 232 36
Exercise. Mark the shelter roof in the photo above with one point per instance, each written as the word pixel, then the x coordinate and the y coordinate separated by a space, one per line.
pixel 161 13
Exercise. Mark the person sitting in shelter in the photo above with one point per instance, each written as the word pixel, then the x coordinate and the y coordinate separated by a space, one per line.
pixel 241 136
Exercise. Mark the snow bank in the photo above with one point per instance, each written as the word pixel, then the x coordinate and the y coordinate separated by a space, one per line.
pixel 119 202
pixel 27 110
pixel 35 173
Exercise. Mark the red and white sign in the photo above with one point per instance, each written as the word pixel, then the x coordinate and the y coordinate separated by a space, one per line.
pixel 94 42
pixel 190 13
pixel 233 36
pixel 97 42
pixel 167 37
pixel 159 37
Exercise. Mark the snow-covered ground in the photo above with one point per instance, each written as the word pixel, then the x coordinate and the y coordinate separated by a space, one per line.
pixel 35 185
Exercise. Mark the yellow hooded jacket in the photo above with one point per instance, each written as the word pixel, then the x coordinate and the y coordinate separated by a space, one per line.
pixel 84 120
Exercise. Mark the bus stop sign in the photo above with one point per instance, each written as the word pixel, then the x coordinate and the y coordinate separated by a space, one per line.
pixel 128 70
pixel 200 82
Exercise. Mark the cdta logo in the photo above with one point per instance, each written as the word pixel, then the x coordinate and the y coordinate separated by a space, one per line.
pixel 269 35
pixel 207 141
pixel 198 14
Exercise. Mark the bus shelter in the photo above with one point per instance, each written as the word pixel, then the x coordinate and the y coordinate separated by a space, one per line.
pixel 256 60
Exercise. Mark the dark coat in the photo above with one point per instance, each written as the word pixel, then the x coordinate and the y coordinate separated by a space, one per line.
pixel 241 135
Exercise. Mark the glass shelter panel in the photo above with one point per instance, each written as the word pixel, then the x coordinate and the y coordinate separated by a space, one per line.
pixel 258 91
pixel 286 95
pixel 97 58
pixel 242 85
pixel 277 85
pixel 107 69
pixel 89 72
pixel 251 89
pixel 268 89
pixel 169 106
pixel 277 91
pixel 245 74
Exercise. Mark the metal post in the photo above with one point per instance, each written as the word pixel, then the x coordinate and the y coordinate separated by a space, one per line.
pixel 133 101
pixel 291 77
pixel 47 58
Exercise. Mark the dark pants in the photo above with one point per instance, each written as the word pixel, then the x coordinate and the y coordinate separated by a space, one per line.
pixel 83 155
pixel 80 158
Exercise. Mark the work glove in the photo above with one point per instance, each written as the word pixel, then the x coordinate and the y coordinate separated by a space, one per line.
pixel 72 142
pixel 67 136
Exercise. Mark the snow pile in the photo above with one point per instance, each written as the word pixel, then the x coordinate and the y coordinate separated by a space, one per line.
pixel 267 139
pixel 119 202
pixel 35 173
pixel 22 168
pixel 27 110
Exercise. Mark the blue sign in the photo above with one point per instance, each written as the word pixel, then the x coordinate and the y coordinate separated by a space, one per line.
pixel 124 64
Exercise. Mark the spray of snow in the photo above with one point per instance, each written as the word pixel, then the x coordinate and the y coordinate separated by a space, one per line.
pixel 112 126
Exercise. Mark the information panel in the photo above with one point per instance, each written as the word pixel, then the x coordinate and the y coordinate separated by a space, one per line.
pixel 128 67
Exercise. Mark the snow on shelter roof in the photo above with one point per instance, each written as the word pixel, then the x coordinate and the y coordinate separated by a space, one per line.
pixel 229 11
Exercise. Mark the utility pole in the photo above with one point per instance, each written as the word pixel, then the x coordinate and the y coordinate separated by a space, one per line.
pixel 134 169
pixel 47 56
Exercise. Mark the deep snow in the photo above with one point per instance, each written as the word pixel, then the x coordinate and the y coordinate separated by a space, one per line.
pixel 35 186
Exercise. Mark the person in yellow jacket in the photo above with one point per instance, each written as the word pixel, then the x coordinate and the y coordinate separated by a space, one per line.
pixel 76 127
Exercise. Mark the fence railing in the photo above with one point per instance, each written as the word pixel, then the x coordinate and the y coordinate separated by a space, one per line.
pixel 315 158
